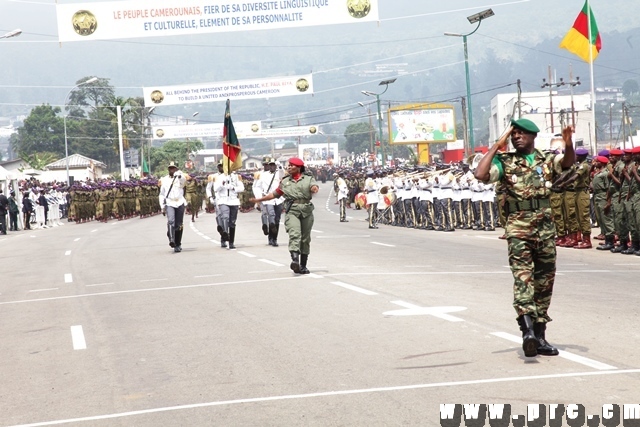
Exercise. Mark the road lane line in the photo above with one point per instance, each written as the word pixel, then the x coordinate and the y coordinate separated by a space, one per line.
pixel 77 337
pixel 317 231
pixel 414 273
pixel 44 290
pixel 67 253
pixel 354 288
pixel 68 278
pixel 266 261
pixel 75 240
pixel 167 288
pixel 93 231
pixel 565 354
pixel 208 275
pixel 247 254
pixel 416 310
pixel 315 276
pixel 99 284
pixel 373 390
pixel 383 244
pixel 153 280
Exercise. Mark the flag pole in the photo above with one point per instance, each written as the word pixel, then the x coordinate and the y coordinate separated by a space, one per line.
pixel 227 114
pixel 592 130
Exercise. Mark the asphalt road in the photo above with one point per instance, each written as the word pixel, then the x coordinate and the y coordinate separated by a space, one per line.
pixel 103 325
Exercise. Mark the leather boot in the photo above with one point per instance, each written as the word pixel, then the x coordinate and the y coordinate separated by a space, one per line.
pixel 276 227
pixel 621 247
pixel 544 348
pixel 529 340
pixel 608 244
pixel 635 246
pixel 295 262
pixel 171 234
pixel 585 243
pixel 571 240
pixel 232 237
pixel 560 240
pixel 178 247
pixel 223 243
pixel 303 264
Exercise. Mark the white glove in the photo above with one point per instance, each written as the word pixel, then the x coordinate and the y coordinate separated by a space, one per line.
pixel 179 175
pixel 211 199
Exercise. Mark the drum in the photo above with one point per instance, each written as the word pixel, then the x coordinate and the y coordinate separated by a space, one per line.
pixel 387 200
pixel 361 201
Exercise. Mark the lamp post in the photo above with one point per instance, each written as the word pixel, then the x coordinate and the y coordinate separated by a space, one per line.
pixel 478 17
pixel 64 118
pixel 14 33
pixel 611 121
pixel 372 150
pixel 386 84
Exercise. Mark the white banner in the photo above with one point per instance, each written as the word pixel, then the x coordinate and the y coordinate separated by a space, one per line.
pixel 319 154
pixel 144 18
pixel 243 130
pixel 241 89
pixel 290 131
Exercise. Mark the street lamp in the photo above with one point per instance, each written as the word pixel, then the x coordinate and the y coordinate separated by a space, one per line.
pixel 372 150
pixel 611 121
pixel 14 33
pixel 478 17
pixel 64 117
pixel 386 84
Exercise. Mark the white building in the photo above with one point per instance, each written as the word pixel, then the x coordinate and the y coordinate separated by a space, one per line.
pixel 536 106
pixel 81 168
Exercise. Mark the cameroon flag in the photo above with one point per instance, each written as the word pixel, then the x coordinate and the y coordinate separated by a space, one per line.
pixel 577 39
pixel 232 159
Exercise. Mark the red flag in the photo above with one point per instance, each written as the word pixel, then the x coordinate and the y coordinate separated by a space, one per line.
pixel 232 159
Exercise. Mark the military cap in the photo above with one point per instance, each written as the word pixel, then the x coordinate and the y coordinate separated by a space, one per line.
pixel 628 151
pixel 295 161
pixel 604 153
pixel 636 150
pixel 525 125
pixel 265 160
pixel 220 162
pixel 615 152
pixel 582 152
pixel 272 161
pixel 172 165
pixel 602 159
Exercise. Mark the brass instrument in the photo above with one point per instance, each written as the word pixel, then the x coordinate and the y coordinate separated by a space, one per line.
pixel 474 160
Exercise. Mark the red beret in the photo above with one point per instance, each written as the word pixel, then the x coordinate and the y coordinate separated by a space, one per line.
pixel 636 150
pixel 628 151
pixel 615 152
pixel 296 162
pixel 602 159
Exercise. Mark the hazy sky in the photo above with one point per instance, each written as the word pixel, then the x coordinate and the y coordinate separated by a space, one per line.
pixel 517 26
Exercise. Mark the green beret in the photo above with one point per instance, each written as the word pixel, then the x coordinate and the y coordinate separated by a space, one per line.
pixel 526 125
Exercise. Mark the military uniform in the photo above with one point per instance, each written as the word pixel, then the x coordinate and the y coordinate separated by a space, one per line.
pixel 600 187
pixel 172 200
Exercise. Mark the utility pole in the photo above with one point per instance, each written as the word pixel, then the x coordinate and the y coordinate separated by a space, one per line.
pixel 550 84
pixel 573 83
pixel 519 99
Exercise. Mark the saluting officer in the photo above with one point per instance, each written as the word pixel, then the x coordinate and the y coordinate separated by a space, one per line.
pixel 297 188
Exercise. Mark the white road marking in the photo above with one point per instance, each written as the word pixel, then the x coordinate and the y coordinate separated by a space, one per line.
pixel 471 265
pixel 68 278
pixel 44 290
pixel 77 337
pixel 628 265
pixel 75 240
pixel 316 231
pixel 414 273
pixel 247 254
pixel 100 284
pixel 207 238
pixel 153 280
pixel 168 288
pixel 266 261
pixel 383 244
pixel 345 236
pixel 325 394
pixel 93 231
pixel 67 253
pixel 315 276
pixel 354 288
pixel 565 354
pixel 416 310
pixel 208 275
pixel 487 237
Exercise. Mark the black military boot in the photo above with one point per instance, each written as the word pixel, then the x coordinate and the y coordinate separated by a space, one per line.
pixel 232 237
pixel 171 234
pixel 223 243
pixel 178 247
pixel 295 262
pixel 621 247
pixel 608 244
pixel 544 348
pixel 303 264
pixel 276 227
pixel 635 246
pixel 529 341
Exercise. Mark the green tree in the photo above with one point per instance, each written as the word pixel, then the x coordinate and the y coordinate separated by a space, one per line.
pixel 357 137
pixel 89 96
pixel 40 160
pixel 42 131
pixel 171 151
pixel 630 88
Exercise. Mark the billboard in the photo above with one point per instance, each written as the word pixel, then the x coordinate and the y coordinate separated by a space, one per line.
pixel 319 154
pixel 422 123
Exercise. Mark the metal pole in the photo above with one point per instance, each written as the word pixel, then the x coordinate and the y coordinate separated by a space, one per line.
pixel 384 159
pixel 123 176
pixel 472 144
pixel 66 146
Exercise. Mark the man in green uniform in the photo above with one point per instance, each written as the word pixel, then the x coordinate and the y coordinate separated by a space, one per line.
pixel 297 188
pixel 526 176
pixel 604 216
pixel 578 197
pixel 616 181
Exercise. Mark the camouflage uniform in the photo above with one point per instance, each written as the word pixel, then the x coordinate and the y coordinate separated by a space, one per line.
pixel 600 186
pixel 530 229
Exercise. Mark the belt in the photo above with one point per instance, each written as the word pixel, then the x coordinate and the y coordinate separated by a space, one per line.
pixel 301 201
pixel 478 191
pixel 527 205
